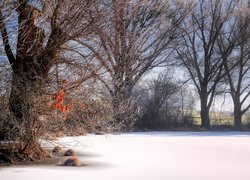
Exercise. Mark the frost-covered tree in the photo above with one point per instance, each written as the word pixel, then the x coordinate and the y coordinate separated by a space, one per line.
pixel 135 36
pixel 33 34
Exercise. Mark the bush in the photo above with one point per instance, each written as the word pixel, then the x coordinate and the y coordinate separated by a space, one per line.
pixel 99 116
pixel 165 105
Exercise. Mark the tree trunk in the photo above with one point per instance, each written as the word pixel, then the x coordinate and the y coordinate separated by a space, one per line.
pixel 237 120
pixel 24 127
pixel 204 113
pixel 25 87
pixel 122 92
pixel 23 96
pixel 237 114
pixel 120 97
pixel 122 108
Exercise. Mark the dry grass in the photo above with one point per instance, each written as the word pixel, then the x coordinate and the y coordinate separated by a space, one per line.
pixel 220 118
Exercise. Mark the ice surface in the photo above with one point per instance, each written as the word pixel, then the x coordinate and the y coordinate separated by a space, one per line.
pixel 149 156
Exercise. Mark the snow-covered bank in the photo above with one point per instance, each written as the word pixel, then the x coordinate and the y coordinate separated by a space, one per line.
pixel 150 156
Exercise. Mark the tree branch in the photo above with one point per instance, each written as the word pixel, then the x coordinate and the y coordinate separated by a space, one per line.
pixel 6 42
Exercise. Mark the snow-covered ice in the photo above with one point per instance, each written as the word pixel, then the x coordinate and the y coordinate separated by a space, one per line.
pixel 149 156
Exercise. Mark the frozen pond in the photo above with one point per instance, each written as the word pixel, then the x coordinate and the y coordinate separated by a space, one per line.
pixel 149 156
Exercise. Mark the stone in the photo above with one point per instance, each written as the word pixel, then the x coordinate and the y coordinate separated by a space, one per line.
pixel 57 149
pixel 70 152
pixel 72 161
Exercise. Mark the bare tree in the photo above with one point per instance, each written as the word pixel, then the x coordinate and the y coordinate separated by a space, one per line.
pixel 39 31
pixel 198 49
pixel 237 60
pixel 135 37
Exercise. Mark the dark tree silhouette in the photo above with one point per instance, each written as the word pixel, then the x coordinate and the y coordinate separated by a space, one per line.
pixel 198 49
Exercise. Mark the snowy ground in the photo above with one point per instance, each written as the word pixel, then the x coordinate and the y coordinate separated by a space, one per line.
pixel 149 156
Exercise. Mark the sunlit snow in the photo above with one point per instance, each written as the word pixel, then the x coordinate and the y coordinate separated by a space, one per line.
pixel 149 156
